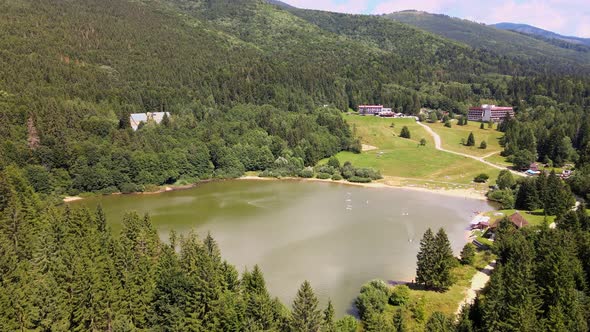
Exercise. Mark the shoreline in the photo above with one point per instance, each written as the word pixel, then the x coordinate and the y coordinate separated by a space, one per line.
pixel 458 193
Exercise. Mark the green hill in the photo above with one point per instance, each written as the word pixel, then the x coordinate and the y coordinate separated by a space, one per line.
pixel 242 79
pixel 490 38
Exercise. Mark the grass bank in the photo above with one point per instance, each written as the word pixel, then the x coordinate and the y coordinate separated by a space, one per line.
pixel 445 302
pixel 398 157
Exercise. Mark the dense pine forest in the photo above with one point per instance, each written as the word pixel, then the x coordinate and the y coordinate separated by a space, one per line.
pixel 251 86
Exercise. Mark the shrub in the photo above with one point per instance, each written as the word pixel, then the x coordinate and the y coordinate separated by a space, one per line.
pixel 334 162
pixel 358 179
pixel 405 133
pixel 337 177
pixel 373 298
pixel 129 188
pixel 323 176
pixel 326 169
pixel 400 295
pixel 503 196
pixel 468 254
pixel 482 178
pixel 368 173
pixel 448 124
pixel 108 190
pixel 306 173
pixel 483 145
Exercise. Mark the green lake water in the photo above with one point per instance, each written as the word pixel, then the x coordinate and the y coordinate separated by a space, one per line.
pixel 334 235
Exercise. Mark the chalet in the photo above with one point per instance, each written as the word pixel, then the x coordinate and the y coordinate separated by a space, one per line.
pixel 518 220
pixel 136 118
pixel 487 113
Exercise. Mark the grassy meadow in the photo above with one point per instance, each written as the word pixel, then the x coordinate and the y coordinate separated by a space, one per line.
pixel 451 137
pixel 405 159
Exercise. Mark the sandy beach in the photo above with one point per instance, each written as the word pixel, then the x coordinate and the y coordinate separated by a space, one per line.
pixel 464 193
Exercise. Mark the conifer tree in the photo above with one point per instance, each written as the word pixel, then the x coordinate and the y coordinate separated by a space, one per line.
pixel 470 140
pixel 328 324
pixel 306 316
pixel 426 260
pixel 438 322
pixel 444 261
pixel 405 133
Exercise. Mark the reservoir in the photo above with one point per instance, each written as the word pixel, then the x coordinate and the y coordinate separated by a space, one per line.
pixel 336 236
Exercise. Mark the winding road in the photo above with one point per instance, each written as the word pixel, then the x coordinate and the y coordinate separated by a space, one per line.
pixel 438 146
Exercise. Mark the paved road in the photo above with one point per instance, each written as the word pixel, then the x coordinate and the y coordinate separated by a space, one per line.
pixel 438 146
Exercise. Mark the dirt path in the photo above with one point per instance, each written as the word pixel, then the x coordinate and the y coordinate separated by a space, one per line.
pixel 438 146
pixel 478 282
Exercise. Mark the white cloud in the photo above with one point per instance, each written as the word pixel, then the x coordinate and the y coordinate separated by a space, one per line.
pixel 570 17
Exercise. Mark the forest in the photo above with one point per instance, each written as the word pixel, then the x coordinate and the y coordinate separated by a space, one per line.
pixel 67 88
pixel 250 87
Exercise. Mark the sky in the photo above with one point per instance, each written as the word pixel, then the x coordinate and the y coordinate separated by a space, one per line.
pixel 567 17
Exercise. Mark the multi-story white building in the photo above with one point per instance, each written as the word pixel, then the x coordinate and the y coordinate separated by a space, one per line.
pixel 487 113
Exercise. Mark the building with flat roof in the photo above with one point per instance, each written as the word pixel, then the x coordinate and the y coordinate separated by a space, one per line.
pixel 487 113
pixel 136 118
pixel 370 109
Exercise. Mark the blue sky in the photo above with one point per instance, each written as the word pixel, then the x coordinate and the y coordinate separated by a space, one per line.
pixel 569 17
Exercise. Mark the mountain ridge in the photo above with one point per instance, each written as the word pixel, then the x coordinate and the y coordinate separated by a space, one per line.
pixel 533 30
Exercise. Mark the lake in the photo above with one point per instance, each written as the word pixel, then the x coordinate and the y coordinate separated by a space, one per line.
pixel 334 235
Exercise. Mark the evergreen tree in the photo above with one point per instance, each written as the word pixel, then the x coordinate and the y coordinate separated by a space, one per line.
pixel 399 322
pixel 468 254
pixel 470 140
pixel 481 126
pixel 405 133
pixel 328 324
pixel 426 260
pixel 444 261
pixel 438 322
pixel 306 315
pixel 483 145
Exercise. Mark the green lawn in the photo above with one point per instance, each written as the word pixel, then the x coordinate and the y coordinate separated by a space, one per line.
pixel 535 218
pixel 499 160
pixel 404 158
pixel 451 137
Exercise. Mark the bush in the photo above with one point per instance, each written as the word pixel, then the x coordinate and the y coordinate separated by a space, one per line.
pixel 108 190
pixel 337 177
pixel 448 124
pixel 468 254
pixel 482 178
pixel 129 188
pixel 400 295
pixel 358 179
pixel 347 324
pixel 405 133
pixel 326 169
pixel 323 176
pixel 483 145
pixel 306 173
pixel 367 173
pixel 373 298
pixel 334 162
pixel 503 196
